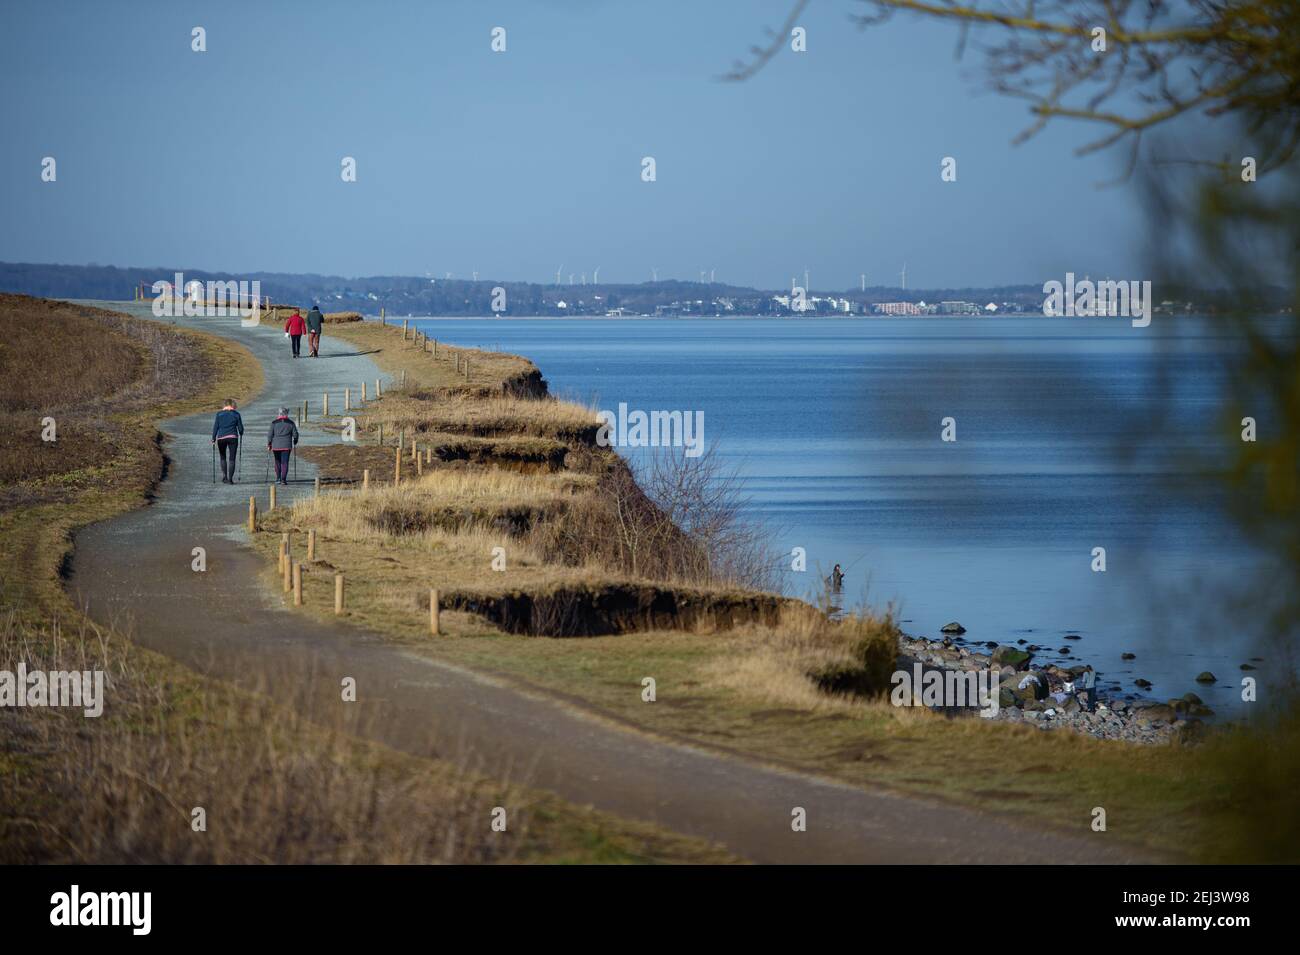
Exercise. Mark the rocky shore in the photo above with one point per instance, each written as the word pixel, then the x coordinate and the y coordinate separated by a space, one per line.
pixel 1051 696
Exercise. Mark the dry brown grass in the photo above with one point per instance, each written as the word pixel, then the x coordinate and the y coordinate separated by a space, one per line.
pixel 275 786
pixel 813 664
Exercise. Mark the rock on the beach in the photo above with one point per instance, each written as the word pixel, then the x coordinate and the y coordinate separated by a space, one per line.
pixel 1010 657
pixel 1157 713
pixel 1206 677
pixel 953 627
pixel 1128 656
pixel 1142 684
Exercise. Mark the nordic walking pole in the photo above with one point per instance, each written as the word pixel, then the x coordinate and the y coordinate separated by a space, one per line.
pixel 214 462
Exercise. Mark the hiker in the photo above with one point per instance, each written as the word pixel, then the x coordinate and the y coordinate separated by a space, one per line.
pixel 294 327
pixel 315 322
pixel 837 579
pixel 280 441
pixel 227 429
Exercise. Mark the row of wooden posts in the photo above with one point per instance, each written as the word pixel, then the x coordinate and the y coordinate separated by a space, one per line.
pixel 291 572
pixel 427 344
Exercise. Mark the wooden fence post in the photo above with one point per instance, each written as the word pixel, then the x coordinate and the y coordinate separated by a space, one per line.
pixel 284 552
pixel 325 404
pixel 397 467
pixel 288 576
pixel 311 545
pixel 363 392
pixel 252 515
pixel 271 504
pixel 347 399
pixel 379 391
pixel 365 480
pixel 403 329
pixel 338 594
pixel 297 584
pixel 433 612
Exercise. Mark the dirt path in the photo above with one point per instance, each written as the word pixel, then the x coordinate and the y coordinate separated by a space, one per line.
pixel 135 571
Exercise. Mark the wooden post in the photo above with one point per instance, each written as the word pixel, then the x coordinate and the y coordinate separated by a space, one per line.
pixel 303 417
pixel 297 584
pixel 347 399
pixel 317 486
pixel 379 434
pixel 252 515
pixel 363 392
pixel 271 504
pixel 435 348
pixel 404 329
pixel 311 545
pixel 325 404
pixel 284 552
pixel 467 369
pixel 428 454
pixel 433 612
pixel 381 313
pixel 403 378
pixel 419 464
pixel 338 594
pixel 379 391
pixel 415 447
pixel 288 576
pixel 365 480
pixel 397 467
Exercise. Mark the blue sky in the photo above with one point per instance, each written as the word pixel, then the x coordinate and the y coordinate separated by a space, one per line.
pixel 514 163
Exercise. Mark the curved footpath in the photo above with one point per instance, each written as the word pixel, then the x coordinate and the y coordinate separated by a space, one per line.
pixel 134 572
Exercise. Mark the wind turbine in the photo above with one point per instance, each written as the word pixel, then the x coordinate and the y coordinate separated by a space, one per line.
pixel 864 281
pixel 711 272
pixel 701 276
pixel 595 276
pixel 904 276
pixel 475 276
pixel 806 287
pixel 557 273
pixel 654 274
pixel 584 278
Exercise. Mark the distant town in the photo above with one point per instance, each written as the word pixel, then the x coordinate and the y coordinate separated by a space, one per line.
pixel 667 298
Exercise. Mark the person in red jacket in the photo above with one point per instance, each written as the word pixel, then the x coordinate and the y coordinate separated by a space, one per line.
pixel 294 327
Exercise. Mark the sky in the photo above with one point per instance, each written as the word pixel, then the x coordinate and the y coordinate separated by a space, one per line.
pixel 519 163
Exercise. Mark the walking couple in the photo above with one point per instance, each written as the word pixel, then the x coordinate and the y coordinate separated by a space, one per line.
pixel 228 428
pixel 295 326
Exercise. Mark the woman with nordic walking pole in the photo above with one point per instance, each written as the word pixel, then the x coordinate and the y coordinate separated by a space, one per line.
pixel 280 442
pixel 227 429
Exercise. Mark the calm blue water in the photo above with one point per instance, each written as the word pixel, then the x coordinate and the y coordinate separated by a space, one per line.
pixel 1061 447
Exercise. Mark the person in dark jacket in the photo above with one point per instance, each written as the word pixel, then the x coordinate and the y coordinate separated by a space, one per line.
pixel 294 327
pixel 280 441
pixel 315 322
pixel 227 429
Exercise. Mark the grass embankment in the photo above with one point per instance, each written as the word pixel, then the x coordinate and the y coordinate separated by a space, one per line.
pixel 753 689
pixel 123 787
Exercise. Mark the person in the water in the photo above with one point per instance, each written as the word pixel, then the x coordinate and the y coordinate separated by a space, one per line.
pixel 837 579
